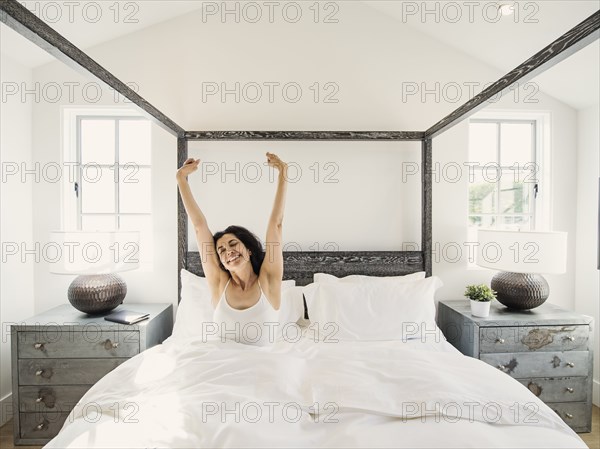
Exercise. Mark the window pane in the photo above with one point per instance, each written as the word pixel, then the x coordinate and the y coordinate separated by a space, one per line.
pixel 97 141
pixel 516 144
pixel 482 221
pixel 135 190
pixel 514 196
pixel 134 141
pixel 515 222
pixel 482 196
pixel 483 143
pixel 97 190
pixel 98 222
pixel 142 224
pixel 529 175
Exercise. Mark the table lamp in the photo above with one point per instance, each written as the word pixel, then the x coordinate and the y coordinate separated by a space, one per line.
pixel 521 257
pixel 96 257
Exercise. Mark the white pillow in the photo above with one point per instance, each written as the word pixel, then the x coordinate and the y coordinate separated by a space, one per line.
pixel 324 277
pixel 196 308
pixel 370 311
pixel 292 304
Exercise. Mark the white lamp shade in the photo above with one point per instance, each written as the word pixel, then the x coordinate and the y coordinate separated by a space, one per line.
pixel 522 251
pixel 101 252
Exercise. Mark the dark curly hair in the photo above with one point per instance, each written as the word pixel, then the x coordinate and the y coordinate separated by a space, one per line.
pixel 250 241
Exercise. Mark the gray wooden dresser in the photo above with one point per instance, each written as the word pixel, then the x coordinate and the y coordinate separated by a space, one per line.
pixel 59 354
pixel 548 349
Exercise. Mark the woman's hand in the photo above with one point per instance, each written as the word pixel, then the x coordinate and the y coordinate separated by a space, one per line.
pixel 188 167
pixel 274 161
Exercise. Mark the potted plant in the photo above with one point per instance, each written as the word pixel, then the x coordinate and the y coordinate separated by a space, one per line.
pixel 480 297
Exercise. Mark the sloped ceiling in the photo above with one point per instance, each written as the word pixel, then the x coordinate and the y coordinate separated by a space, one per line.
pixel 84 30
pixel 502 43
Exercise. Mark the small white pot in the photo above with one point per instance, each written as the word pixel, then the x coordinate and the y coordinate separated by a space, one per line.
pixel 480 308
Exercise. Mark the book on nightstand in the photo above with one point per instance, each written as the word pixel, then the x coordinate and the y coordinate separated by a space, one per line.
pixel 127 317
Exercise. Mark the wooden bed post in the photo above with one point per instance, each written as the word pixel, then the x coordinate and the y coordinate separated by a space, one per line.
pixel 426 205
pixel 182 155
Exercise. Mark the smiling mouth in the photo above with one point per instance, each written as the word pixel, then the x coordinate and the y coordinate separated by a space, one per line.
pixel 234 258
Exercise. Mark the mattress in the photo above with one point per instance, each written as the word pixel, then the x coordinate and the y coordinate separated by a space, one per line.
pixel 199 392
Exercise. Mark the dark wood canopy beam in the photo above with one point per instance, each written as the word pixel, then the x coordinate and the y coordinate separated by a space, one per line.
pixel 427 205
pixel 182 219
pixel 305 135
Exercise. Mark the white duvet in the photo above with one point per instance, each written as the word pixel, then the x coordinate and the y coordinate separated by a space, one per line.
pixel 195 394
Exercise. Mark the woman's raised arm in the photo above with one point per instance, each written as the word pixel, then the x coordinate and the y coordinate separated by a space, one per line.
pixel 273 262
pixel 206 246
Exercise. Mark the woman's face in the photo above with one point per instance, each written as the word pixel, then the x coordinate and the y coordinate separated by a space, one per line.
pixel 232 252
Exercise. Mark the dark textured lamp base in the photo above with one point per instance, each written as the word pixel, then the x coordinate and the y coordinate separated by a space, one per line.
pixel 521 291
pixel 97 293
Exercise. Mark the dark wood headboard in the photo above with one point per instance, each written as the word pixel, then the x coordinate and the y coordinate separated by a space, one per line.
pixel 302 265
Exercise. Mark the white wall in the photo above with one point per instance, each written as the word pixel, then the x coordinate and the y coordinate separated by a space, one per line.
pixel 17 287
pixel 587 278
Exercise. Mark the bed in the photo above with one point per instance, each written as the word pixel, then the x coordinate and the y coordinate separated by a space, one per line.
pixel 314 387
pixel 382 376
pixel 364 383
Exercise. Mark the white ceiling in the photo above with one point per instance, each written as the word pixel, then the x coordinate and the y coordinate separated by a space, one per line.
pixel 84 33
pixel 501 44
pixel 504 44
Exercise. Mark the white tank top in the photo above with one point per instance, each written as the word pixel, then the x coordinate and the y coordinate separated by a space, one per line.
pixel 256 325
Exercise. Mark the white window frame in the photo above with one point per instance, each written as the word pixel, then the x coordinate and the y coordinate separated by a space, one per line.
pixel 541 204
pixel 543 147
pixel 70 204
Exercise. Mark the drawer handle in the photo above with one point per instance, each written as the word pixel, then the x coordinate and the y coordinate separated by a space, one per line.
pixel 39 346
pixel 500 340
pixel 47 397
pixel 570 390
pixel 570 364
pixel 110 345
pixel 46 374
pixel 569 416
pixel 570 338
pixel 40 426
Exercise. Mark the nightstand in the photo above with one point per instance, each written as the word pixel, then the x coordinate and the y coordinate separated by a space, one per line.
pixel 59 354
pixel 547 349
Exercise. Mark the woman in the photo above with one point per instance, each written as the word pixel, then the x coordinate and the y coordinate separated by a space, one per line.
pixel 245 285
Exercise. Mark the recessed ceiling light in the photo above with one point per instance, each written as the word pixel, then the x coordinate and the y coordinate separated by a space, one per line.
pixel 506 8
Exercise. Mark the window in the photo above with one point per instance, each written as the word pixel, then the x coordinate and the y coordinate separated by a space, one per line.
pixel 503 185
pixel 509 167
pixel 110 186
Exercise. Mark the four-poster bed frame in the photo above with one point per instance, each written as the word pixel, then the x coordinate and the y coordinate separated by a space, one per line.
pixel 301 265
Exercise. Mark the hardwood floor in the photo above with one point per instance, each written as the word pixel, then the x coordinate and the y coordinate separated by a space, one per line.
pixel 592 439
pixel 6 438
